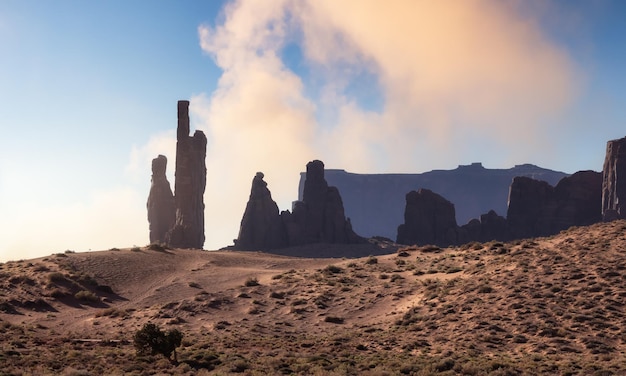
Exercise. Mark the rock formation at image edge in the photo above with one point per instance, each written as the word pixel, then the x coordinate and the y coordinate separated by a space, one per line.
pixel 614 180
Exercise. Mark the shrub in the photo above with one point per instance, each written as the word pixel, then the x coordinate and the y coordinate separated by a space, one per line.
pixel 252 281
pixel 332 269
pixel 194 285
pixel 371 260
pixel 334 319
pixel 157 247
pixel 150 340
pixel 87 296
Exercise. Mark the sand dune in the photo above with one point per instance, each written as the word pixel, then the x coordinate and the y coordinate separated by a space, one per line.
pixel 543 306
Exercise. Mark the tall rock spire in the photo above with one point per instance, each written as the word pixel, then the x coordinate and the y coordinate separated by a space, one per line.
pixel 161 208
pixel 614 180
pixel 188 230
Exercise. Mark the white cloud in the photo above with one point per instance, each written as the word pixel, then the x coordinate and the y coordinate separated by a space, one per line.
pixel 454 77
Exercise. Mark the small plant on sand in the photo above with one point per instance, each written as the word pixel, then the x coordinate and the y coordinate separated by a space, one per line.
pixel 157 247
pixel 371 260
pixel 334 319
pixel 332 269
pixel 86 296
pixel 150 340
pixel 252 281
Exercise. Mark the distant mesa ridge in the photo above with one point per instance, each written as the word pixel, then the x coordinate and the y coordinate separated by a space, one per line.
pixel 375 202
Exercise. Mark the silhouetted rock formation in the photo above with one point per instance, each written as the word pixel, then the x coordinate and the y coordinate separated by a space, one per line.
pixel 538 209
pixel 614 180
pixel 375 202
pixel 318 218
pixel 535 209
pixel 529 202
pixel 188 230
pixel 161 208
pixel 261 226
pixel 428 219
pixel 579 200
pixel 491 226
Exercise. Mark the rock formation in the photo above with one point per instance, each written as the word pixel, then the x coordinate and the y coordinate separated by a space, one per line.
pixel 161 208
pixel 318 218
pixel 428 219
pixel 535 209
pixel 376 202
pixel 261 225
pixel 538 209
pixel 188 230
pixel 490 226
pixel 529 202
pixel 614 180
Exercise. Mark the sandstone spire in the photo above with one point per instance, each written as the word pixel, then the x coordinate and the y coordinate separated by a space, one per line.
pixel 161 209
pixel 614 180
pixel 188 230
pixel 261 225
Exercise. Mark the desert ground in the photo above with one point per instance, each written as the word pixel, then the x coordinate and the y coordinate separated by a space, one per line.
pixel 554 305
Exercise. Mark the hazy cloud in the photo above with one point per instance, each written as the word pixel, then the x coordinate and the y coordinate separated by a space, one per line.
pixel 455 78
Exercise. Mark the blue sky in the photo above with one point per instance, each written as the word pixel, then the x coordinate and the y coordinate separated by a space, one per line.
pixel 88 95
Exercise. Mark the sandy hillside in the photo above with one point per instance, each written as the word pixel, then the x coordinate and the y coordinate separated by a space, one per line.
pixel 543 306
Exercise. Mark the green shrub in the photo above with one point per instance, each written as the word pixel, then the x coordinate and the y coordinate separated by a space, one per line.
pixel 150 340
pixel 252 281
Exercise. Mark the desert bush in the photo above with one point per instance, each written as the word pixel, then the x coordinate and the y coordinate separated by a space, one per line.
pixel 453 269
pixel 332 269
pixel 277 295
pixel 371 260
pixel 86 296
pixel 135 249
pixel 111 312
pixel 56 277
pixel 194 285
pixel 430 249
pixel 485 289
pixel 334 319
pixel 150 340
pixel 157 247
pixel 251 281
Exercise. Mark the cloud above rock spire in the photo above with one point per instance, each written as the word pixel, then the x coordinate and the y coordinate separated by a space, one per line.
pixel 453 80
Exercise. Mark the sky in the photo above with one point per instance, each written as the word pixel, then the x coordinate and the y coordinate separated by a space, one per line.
pixel 88 94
